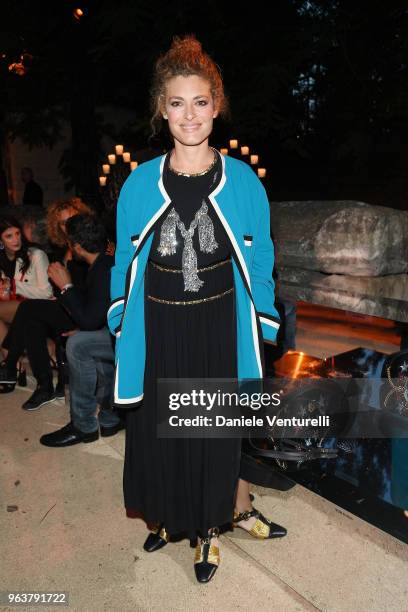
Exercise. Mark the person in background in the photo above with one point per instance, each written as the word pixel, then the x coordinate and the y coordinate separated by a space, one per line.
pixel 33 194
pixel 33 222
pixel 57 216
pixel 86 349
pixel 23 272
pixel 37 320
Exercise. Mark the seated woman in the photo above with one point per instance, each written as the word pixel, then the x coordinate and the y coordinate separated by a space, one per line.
pixel 58 250
pixel 34 224
pixel 23 272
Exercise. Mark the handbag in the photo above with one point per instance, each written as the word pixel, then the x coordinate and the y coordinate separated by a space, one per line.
pixel 5 289
pixel 287 447
pixel 8 290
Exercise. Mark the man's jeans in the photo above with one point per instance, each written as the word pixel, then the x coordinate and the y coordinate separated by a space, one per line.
pixel 90 358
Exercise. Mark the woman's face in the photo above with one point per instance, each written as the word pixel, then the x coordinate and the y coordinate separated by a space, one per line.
pixel 189 108
pixel 11 239
pixel 63 217
pixel 28 229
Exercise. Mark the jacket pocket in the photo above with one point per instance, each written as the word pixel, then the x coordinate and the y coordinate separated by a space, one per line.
pixel 135 240
pixel 117 330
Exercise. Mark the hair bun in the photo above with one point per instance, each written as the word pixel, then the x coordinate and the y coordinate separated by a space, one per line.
pixel 188 43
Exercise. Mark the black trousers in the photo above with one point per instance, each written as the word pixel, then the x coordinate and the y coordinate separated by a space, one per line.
pixel 34 322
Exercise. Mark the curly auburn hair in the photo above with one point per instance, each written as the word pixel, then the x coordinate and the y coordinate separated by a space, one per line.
pixel 55 233
pixel 184 58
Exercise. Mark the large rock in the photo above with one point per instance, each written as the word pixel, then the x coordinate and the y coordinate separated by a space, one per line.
pixel 384 296
pixel 342 237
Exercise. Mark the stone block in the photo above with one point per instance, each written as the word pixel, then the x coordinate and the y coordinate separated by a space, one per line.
pixel 340 237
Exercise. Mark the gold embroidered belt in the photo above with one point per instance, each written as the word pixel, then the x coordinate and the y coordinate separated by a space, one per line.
pixel 191 302
pixel 179 271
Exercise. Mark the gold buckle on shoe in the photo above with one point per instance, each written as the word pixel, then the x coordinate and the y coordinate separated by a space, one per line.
pixel 161 531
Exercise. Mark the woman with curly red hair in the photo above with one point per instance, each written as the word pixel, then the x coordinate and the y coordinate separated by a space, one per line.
pixel 192 297
pixel 58 213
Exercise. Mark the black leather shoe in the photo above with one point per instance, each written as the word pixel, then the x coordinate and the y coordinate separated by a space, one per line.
pixel 156 540
pixel 207 557
pixel 38 399
pixel 111 431
pixel 263 528
pixel 68 436
pixel 6 388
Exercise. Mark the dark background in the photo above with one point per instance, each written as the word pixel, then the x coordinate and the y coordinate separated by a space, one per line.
pixel 318 89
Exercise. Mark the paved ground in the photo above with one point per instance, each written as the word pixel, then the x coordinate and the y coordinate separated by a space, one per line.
pixel 70 533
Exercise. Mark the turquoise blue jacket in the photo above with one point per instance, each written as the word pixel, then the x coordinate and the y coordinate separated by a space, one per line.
pixel 241 203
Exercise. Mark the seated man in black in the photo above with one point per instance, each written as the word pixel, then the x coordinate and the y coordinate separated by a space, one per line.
pixel 84 309
pixel 90 354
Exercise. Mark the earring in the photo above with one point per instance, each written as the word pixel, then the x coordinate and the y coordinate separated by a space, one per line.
pixel 1 246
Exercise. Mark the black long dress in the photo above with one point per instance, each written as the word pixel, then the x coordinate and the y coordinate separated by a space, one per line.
pixel 187 484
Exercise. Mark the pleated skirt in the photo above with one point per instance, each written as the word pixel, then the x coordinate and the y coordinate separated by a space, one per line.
pixel 186 483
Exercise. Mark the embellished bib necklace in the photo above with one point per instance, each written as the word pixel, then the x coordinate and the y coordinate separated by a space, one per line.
pixel 210 167
pixel 168 242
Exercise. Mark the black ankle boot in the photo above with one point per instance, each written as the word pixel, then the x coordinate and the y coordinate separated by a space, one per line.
pixel 156 540
pixel 207 557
